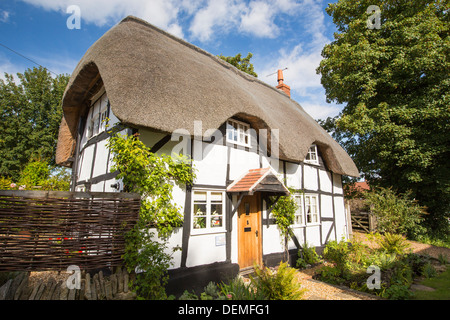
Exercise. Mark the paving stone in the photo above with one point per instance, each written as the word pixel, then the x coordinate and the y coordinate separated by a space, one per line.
pixel 421 287
pixel 5 289
pixel 35 290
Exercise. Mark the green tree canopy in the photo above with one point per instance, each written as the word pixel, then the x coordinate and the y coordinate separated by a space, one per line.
pixel 30 115
pixel 242 64
pixel 394 83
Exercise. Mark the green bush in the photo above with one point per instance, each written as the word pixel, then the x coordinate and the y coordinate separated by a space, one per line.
pixel 331 275
pixel 397 292
pixel 307 256
pixel 279 285
pixel 338 253
pixel 237 289
pixel 428 270
pixel 150 258
pixel 393 243
pixel 398 267
pixel 396 213
pixel 188 296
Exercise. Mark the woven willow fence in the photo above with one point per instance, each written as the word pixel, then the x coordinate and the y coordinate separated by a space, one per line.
pixel 51 230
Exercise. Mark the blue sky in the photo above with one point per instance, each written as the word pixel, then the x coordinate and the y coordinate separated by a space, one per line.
pixel 280 34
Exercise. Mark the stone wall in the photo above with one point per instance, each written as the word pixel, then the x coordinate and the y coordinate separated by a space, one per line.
pixel 92 287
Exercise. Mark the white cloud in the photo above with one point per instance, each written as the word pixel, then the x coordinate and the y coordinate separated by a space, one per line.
pixel 259 17
pixel 162 13
pixel 259 20
pixel 205 17
pixel 302 61
pixel 320 109
pixel 216 15
pixel 4 16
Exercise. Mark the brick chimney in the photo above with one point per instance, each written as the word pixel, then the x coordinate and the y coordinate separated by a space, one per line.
pixel 282 86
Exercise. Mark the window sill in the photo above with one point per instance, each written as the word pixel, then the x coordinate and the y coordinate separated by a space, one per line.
pixel 200 232
pixel 239 144
pixel 314 224
pixel 312 163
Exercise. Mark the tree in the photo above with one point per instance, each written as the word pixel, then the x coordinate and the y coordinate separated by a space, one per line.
pixel 394 83
pixel 30 115
pixel 242 64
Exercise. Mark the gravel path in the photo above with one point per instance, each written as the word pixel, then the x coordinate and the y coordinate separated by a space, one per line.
pixel 317 290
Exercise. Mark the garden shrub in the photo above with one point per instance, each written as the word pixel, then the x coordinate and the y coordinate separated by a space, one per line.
pixel 237 289
pixel 396 213
pixel 397 292
pixel 350 261
pixel 338 253
pixel 307 256
pixel 393 243
pixel 428 271
pixel 277 285
pixel 149 259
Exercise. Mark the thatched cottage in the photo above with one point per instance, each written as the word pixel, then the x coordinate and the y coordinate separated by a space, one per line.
pixel 248 141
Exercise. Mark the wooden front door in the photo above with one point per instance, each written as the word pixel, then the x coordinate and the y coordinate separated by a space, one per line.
pixel 249 232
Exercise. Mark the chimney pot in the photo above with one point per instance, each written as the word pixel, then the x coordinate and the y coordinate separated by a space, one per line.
pixel 281 85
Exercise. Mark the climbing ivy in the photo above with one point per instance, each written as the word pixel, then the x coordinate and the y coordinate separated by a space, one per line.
pixel 284 213
pixel 153 177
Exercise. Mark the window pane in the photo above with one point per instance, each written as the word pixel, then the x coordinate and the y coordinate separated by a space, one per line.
pixel 216 209
pixel 95 124
pixel 216 221
pixel 199 209
pixel 216 196
pixel 199 196
pixel 199 222
pixel 230 130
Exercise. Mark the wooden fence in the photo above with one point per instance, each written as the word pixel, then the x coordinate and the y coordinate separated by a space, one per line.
pixel 364 221
pixel 50 230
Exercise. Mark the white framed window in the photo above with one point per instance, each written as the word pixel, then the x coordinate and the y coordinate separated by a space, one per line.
pixel 208 211
pixel 238 132
pixel 299 217
pixel 96 120
pixel 312 157
pixel 312 208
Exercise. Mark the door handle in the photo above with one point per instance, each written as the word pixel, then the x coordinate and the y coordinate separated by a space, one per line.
pixel 256 232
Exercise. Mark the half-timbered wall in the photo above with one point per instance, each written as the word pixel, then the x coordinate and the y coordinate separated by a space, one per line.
pixel 217 164
pixel 93 159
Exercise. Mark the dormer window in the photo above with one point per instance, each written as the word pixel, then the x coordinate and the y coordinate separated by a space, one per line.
pixel 312 157
pixel 238 132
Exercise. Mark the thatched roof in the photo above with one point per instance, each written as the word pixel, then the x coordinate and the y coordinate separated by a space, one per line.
pixel 158 81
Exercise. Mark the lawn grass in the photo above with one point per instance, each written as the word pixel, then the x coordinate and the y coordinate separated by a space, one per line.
pixel 442 285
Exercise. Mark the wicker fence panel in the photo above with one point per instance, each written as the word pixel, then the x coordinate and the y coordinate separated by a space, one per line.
pixel 50 230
